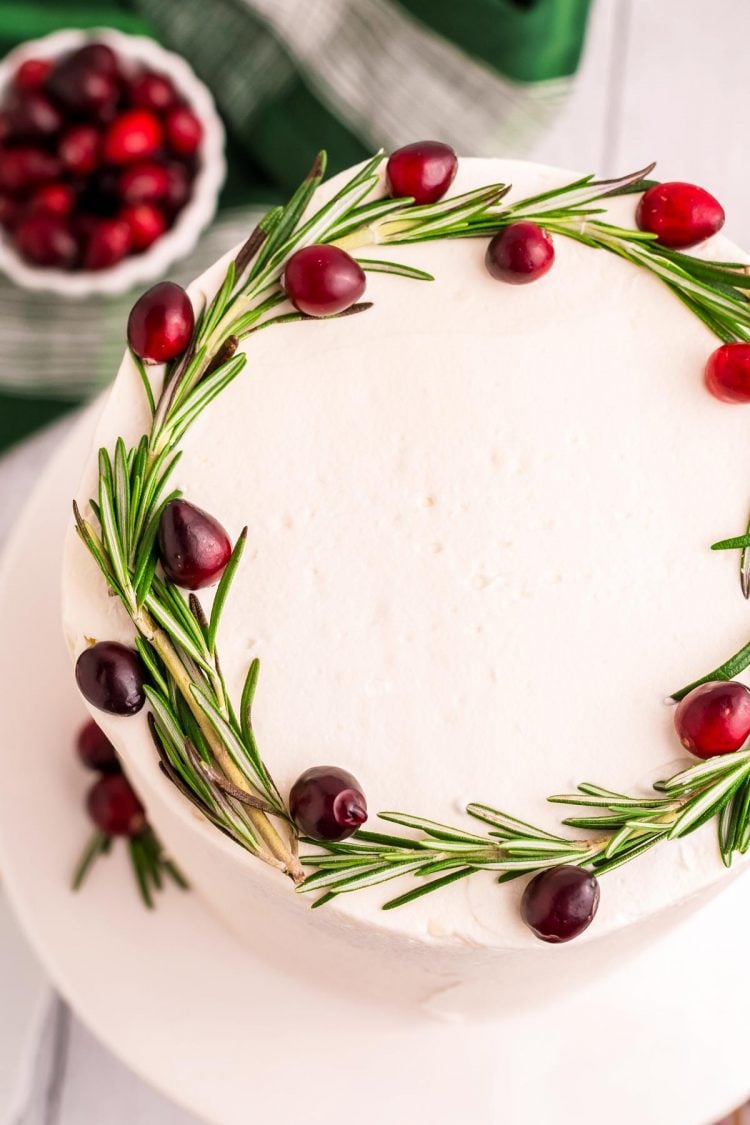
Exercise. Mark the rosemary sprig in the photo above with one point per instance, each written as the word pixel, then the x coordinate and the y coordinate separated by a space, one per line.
pixel 151 866
pixel 206 748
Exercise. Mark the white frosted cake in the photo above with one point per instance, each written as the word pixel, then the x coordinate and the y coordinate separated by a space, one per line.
pixel 477 565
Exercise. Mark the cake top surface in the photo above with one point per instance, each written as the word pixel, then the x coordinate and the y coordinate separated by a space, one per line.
pixel 479 518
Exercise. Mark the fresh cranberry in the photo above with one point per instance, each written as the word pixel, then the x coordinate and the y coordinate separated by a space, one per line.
pixel 161 323
pixel 323 280
pixel 145 222
pixel 133 135
pixel 727 373
pixel 81 89
pixel 32 74
pixel 9 211
pixel 32 114
pixel 560 903
pixel 107 245
pixel 114 807
pixel 55 199
pixel 96 56
pixel 520 253
pixel 194 548
pixel 714 718
pixel 111 677
pixel 327 803
pixel 184 131
pixel 152 91
pixel 147 182
pixel 46 240
pixel 79 149
pixel 25 167
pixel 95 750
pixel 178 190
pixel 680 215
pixel 423 170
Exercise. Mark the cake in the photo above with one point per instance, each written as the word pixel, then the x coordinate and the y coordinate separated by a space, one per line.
pixel 477 566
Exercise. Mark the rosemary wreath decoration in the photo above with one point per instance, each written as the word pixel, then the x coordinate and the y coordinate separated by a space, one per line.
pixel 205 741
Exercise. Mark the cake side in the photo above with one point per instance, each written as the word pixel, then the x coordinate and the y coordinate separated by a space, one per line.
pixel 484 502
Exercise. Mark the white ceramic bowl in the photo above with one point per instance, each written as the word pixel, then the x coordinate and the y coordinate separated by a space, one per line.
pixel 195 216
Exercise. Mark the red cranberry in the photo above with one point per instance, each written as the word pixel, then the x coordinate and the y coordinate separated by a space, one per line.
pixel 25 167
pixel 152 91
pixel 96 56
pixel 107 245
pixel 727 373
pixel 714 718
pixel 32 114
pixel 133 135
pixel 520 253
pixel 32 74
pixel 4 126
pixel 560 903
pixel 83 89
pixel 178 190
pixel 327 803
pixel 184 131
pixel 680 215
pixel 9 211
pixel 111 677
pixel 55 199
pixel 46 240
pixel 114 807
pixel 79 149
pixel 323 280
pixel 161 323
pixel 423 170
pixel 145 222
pixel 95 750
pixel 144 183
pixel 194 548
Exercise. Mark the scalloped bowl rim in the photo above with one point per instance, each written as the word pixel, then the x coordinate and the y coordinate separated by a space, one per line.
pixel 194 217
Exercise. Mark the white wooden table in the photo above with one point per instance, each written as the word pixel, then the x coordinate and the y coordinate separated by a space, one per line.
pixel 660 80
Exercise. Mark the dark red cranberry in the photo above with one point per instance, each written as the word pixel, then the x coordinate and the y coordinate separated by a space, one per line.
pixel 727 373
pixel 327 803
pixel 79 149
pixel 55 199
pixel 134 135
pixel 4 126
pixel 194 548
pixel 46 240
pixel 560 903
pixel 152 91
pixel 111 677
pixel 680 215
pixel 520 253
pixel 83 89
pixel 95 750
pixel 184 131
pixel 178 189
pixel 145 222
pixel 107 244
pixel 323 280
pixel 32 74
pixel 96 56
pixel 144 183
pixel 32 114
pixel 10 211
pixel 714 718
pixel 25 167
pixel 423 170
pixel 114 807
pixel 161 323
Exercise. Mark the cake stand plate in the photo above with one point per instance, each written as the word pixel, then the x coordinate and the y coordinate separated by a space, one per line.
pixel 663 1039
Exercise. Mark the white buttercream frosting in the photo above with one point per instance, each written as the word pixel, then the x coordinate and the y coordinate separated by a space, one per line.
pixel 479 519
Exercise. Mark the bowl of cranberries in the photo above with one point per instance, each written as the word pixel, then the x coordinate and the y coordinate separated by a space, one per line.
pixel 111 162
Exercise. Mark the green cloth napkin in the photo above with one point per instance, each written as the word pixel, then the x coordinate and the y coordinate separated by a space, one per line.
pixel 293 76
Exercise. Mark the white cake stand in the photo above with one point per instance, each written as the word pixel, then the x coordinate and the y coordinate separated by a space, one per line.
pixel 663 1040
